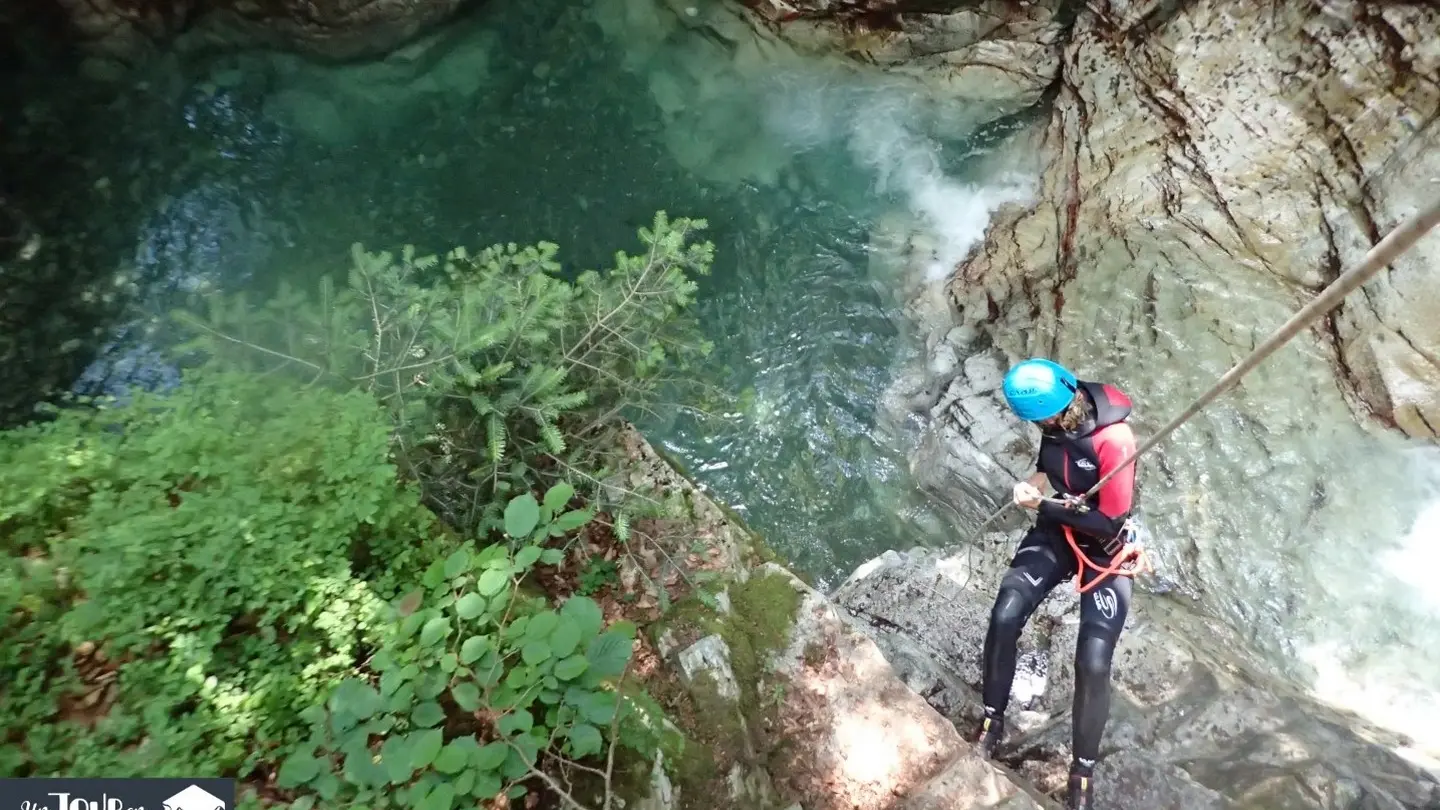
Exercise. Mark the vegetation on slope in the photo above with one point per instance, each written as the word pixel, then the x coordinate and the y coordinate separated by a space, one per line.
pixel 323 564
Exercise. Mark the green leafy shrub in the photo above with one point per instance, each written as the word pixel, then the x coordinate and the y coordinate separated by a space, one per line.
pixel 501 376
pixel 242 572
pixel 214 540
pixel 477 680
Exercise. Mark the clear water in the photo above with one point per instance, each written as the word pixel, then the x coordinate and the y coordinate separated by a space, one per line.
pixel 574 122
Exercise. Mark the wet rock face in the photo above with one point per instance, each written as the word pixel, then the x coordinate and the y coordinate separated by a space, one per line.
pixel 993 57
pixel 1264 150
pixel 1186 730
pixel 1207 169
pixel 331 29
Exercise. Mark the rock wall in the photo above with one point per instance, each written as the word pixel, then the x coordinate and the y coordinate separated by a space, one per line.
pixel 1205 169
pixel 1202 154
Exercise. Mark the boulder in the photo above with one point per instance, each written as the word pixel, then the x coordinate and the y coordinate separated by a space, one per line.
pixel 1187 729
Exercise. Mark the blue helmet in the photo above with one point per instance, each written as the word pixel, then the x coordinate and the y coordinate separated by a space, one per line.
pixel 1038 389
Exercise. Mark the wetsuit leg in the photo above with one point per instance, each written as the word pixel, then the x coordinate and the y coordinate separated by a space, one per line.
pixel 1040 563
pixel 1103 610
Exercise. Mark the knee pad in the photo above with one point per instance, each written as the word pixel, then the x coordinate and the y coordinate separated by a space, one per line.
pixel 1092 657
pixel 1010 611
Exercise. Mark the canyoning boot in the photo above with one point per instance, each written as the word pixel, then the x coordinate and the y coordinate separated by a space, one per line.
pixel 992 728
pixel 1080 795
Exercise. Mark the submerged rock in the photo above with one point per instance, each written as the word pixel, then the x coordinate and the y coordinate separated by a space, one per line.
pixel 330 29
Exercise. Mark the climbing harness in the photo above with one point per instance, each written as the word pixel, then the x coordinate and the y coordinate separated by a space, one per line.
pixel 1396 243
pixel 1131 558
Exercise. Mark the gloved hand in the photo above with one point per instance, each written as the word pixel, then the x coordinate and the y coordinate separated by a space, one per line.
pixel 1026 495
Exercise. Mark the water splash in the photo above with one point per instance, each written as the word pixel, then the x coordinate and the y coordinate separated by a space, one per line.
pixel 886 135
pixel 883 125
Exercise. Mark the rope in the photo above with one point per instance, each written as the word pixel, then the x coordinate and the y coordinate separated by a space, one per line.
pixel 1387 250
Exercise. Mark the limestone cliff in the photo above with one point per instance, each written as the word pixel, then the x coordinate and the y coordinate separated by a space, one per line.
pixel 1261 149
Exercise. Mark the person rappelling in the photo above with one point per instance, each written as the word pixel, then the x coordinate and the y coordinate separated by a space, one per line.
pixel 1084 438
pixel 1087 456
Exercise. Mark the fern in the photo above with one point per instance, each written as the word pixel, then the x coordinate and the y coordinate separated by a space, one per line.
pixel 495 430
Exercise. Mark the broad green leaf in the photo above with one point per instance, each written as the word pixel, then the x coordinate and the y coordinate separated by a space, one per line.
pixel 586 613
pixel 552 556
pixel 566 637
pixel 434 576
pixel 403 698
pixel 303 803
pixel 585 740
pixel 360 770
pixel 356 698
pixel 465 782
pixel 435 630
pixel 493 581
pixel 608 652
pixel 473 648
pixel 327 785
pixel 535 652
pixel 516 791
pixel 428 714
pixel 389 682
pixel 341 722
pixel 597 707
pixel 526 557
pixel 488 670
pixel 452 759
pixel 529 746
pixel 491 755
pixel 542 624
pixel 521 515
pixel 457 564
pixel 487 785
pixel 572 667
pixel 515 722
pixel 515 766
pixel 470 606
pixel 466 696
pixel 382 661
pixel 430 684
pixel 442 797
pixel 297 769
pixel 424 747
pixel 570 521
pixel 559 495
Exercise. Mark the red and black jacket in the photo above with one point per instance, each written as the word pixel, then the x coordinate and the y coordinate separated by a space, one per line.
pixel 1075 460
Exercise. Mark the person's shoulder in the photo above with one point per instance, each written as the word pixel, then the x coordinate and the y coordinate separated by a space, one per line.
pixel 1117 434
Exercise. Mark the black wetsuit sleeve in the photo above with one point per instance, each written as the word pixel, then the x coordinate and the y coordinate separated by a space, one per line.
pixel 1094 522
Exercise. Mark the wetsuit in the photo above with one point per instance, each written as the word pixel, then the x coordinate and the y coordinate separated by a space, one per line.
pixel 1072 462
